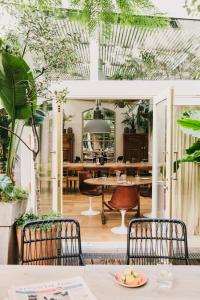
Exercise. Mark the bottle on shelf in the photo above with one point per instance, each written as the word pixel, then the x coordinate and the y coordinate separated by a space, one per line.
pixel 101 158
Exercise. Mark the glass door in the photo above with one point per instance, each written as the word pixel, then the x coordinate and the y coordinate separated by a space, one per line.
pixel 186 176
pixel 57 157
pixel 162 154
pixel 45 160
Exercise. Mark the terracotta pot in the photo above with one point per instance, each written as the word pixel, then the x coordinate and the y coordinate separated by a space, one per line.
pixel 36 250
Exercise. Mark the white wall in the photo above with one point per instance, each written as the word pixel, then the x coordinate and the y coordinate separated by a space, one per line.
pixel 123 89
pixel 27 168
pixel 76 107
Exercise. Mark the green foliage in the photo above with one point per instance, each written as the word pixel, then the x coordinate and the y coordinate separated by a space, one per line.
pixel 17 95
pixel 138 115
pixel 27 217
pixel 17 86
pixel 192 7
pixel 9 192
pixel 129 119
pixel 94 12
pixel 51 215
pixel 51 51
pixel 193 148
pixel 189 123
pixel 192 127
pixel 30 216
pixel 43 5
pixel 4 136
pixel 125 12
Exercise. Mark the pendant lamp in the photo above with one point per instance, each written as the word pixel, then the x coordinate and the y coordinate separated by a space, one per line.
pixel 97 125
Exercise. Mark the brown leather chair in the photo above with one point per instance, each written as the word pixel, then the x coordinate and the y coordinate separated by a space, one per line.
pixel 125 197
pixel 90 191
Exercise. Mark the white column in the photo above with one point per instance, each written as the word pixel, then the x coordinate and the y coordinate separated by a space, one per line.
pixel 94 57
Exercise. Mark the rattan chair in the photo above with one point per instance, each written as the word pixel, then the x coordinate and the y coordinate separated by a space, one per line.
pixel 52 242
pixel 152 241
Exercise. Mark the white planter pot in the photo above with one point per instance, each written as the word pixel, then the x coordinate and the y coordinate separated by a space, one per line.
pixel 11 211
pixel 8 213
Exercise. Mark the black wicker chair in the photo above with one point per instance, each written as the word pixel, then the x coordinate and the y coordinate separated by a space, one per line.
pixel 52 242
pixel 152 241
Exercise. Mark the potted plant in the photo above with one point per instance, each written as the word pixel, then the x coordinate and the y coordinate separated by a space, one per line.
pixel 45 248
pixel 138 117
pixel 129 121
pixel 13 201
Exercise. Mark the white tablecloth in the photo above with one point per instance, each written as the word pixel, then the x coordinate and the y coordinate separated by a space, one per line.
pixel 186 282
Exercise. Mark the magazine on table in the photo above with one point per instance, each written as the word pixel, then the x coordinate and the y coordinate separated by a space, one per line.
pixel 64 289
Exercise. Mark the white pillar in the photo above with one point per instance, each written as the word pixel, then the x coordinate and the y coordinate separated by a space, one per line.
pixel 94 57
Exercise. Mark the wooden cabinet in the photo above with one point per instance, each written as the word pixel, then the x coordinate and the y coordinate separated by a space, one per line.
pixel 135 147
pixel 68 147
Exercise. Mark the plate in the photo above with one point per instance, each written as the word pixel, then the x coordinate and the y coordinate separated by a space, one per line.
pixel 120 282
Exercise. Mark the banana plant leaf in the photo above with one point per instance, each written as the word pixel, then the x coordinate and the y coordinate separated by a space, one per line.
pixel 17 86
pixel 190 123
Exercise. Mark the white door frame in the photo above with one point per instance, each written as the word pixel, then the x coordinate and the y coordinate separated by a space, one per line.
pixel 167 96
pixel 57 157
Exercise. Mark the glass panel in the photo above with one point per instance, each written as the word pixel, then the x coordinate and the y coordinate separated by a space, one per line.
pixel 186 187
pixel 95 143
pixel 161 140
pixel 45 163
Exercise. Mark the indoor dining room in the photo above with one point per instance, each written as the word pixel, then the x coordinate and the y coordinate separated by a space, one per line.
pixel 117 152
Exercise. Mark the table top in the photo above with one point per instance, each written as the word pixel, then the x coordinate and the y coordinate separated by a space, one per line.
pixel 102 283
pixel 112 181
pixel 109 165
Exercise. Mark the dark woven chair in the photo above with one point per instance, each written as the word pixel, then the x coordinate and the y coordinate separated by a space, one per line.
pixel 90 191
pixel 152 241
pixel 52 242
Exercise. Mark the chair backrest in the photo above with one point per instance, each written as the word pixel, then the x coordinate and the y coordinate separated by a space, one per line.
pixel 51 242
pixel 120 158
pixel 125 197
pixel 83 175
pixel 77 159
pixel 152 241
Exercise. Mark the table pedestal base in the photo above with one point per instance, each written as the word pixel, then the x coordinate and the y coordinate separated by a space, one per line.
pixel 90 212
pixel 119 230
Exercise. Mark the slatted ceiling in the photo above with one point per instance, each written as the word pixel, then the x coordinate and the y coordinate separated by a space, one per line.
pixel 170 45
pixel 173 44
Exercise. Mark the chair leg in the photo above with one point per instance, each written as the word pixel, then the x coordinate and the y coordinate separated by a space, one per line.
pixel 90 211
pixel 121 229
pixel 103 217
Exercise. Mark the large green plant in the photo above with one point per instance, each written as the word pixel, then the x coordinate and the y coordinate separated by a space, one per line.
pixel 4 137
pixel 139 115
pixel 94 12
pixel 17 95
pixel 190 124
pixel 9 192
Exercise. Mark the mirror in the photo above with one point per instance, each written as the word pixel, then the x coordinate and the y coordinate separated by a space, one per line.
pixel 93 144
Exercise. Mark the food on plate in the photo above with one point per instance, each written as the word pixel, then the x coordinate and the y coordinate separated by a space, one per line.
pixel 130 277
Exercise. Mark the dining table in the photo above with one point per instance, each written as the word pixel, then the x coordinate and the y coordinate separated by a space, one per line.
pixel 101 281
pixel 110 166
pixel 114 181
